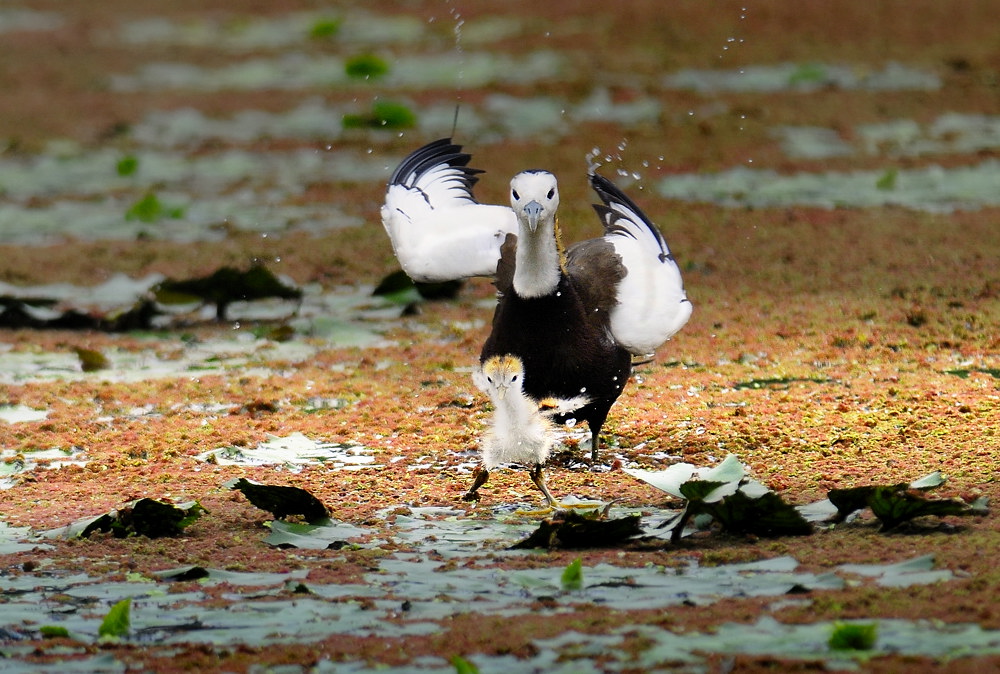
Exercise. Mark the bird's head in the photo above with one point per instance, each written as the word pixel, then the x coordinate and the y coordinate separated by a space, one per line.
pixel 501 374
pixel 534 196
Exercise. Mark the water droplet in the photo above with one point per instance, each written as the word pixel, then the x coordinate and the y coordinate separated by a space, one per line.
pixel 583 390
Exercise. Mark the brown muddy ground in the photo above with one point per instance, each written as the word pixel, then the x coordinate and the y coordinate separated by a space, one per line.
pixel 880 302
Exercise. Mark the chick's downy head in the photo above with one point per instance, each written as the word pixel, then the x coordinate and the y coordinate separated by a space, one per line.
pixel 501 375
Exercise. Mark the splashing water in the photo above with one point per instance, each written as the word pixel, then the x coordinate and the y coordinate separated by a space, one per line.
pixel 595 158
pixel 733 41
pixel 457 30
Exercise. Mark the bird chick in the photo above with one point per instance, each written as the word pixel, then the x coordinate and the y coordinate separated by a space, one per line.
pixel 521 430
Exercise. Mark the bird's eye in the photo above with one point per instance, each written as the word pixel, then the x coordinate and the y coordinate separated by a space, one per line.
pixel 551 193
pixel 517 197
pixel 514 378
pixel 489 379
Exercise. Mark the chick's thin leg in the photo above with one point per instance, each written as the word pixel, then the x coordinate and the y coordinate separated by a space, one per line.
pixel 539 479
pixel 482 474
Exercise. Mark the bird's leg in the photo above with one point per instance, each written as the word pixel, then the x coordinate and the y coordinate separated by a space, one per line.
pixel 595 444
pixel 539 479
pixel 482 474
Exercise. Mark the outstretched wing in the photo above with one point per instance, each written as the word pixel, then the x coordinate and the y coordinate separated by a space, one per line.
pixel 438 230
pixel 652 304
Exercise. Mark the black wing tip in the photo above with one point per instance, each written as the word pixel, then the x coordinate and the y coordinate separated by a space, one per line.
pixel 610 194
pixel 600 183
pixel 440 151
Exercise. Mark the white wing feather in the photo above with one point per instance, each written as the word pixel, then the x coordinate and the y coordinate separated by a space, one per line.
pixel 652 304
pixel 437 229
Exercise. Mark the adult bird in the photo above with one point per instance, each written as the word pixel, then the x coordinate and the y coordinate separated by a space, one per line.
pixel 574 316
pixel 521 430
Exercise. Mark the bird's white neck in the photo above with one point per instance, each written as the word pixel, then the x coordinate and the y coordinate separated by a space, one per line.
pixel 537 263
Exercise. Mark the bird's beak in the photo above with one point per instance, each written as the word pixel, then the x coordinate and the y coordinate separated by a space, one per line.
pixel 501 391
pixel 533 210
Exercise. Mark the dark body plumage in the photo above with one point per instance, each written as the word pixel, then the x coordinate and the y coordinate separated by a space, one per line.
pixel 564 338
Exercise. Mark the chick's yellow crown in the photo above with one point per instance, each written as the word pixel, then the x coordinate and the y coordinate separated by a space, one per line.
pixel 502 368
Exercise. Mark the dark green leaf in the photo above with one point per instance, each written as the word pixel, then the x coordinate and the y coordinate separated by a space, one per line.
pixel 282 501
pixel 53 631
pixel 383 115
pixel 893 506
pixel 854 636
pixel 118 621
pixel 225 286
pixel 398 287
pixel 887 181
pixel 571 530
pixel 146 517
pixel 324 28
pixel 849 500
pixel 127 165
pixel 697 490
pixel 808 73
pixel 572 577
pixel 392 115
pixel 366 66
pixel 463 666
pixel 898 503
pixel 151 209
pixel 778 382
pixel 104 523
pixel 767 515
pixel 183 574
pixel 90 360
pixel 965 372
